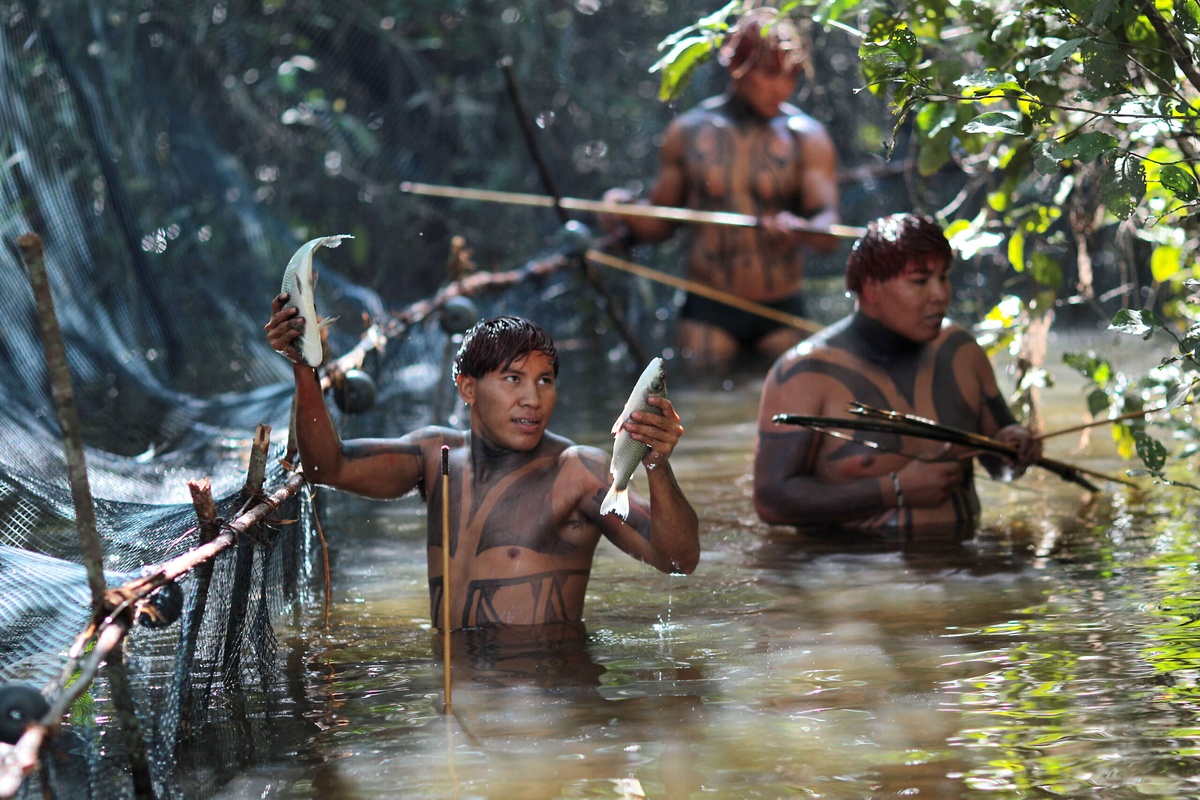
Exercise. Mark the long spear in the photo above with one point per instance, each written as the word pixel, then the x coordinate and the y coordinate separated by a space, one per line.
pixel 926 429
pixel 606 207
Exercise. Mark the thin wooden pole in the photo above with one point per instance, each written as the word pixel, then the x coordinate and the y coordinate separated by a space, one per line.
pixel 68 417
pixel 535 150
pixel 748 306
pixel 1098 422
pixel 606 207
pixel 446 573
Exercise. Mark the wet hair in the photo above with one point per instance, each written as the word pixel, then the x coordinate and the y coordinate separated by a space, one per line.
pixel 884 251
pixel 496 343
pixel 763 40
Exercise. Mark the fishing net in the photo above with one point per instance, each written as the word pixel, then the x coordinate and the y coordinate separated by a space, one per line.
pixel 172 156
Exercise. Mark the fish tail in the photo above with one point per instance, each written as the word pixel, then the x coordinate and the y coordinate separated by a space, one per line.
pixel 616 501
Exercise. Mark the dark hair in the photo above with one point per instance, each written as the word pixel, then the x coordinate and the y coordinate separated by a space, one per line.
pixel 762 39
pixel 496 343
pixel 889 244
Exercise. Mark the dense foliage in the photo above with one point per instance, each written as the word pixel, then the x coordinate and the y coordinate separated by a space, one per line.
pixel 1074 122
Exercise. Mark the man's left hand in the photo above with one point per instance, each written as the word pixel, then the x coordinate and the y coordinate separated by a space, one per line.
pixel 660 432
pixel 1029 449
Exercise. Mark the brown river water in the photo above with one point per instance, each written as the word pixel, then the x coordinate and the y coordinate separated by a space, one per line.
pixel 1052 654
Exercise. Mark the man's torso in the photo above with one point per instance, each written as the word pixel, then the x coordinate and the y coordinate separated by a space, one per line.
pixel 740 163
pixel 521 548
pixel 933 381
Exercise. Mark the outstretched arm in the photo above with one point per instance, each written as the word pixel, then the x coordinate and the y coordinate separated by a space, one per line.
pixel 663 532
pixel 379 468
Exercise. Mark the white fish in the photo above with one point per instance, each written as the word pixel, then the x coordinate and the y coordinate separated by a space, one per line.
pixel 627 451
pixel 300 283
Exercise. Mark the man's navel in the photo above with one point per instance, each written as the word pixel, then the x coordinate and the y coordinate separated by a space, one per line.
pixel 514 552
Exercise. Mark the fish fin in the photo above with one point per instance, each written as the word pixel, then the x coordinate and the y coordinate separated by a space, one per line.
pixel 616 501
pixel 616 428
pixel 315 275
pixel 325 323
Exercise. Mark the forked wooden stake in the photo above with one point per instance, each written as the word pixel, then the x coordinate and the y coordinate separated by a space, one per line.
pixel 446 573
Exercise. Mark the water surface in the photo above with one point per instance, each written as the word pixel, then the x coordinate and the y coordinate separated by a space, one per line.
pixel 1049 655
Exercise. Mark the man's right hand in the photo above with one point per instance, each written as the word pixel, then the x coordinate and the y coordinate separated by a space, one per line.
pixel 284 328
pixel 930 483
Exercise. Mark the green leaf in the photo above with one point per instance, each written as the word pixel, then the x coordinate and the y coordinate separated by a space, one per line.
pixel 904 42
pixel 1098 402
pixel 1138 323
pixel 678 65
pixel 1179 182
pixel 1086 146
pixel 1101 12
pixel 1104 65
pixel 1050 63
pixel 1165 262
pixel 1177 395
pixel 1046 270
pixel 989 80
pixel 1016 251
pixel 1091 366
pixel 1123 186
pixel 1008 122
pixel 1151 451
pixel 1045 158
pixel 1187 16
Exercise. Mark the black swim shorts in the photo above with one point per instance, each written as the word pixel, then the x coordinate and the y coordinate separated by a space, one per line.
pixel 747 328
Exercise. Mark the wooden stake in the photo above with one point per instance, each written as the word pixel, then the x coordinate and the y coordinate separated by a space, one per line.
pixel 256 474
pixel 446 573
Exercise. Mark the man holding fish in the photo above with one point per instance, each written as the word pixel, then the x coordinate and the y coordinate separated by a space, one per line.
pixel 895 352
pixel 747 151
pixel 525 512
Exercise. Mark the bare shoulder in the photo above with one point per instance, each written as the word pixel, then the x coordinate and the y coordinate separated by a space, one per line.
pixel 819 348
pixel 958 342
pixel 592 459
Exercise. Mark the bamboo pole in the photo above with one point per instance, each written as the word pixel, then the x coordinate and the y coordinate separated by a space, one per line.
pixel 707 291
pixel 446 574
pixel 607 207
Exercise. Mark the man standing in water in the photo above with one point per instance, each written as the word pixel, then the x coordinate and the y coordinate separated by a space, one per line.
pixel 748 152
pixel 894 352
pixel 524 503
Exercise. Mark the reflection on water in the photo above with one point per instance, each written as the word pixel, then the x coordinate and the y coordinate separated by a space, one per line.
pixel 1052 654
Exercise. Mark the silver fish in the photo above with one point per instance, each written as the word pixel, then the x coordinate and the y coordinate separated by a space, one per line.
pixel 627 451
pixel 300 283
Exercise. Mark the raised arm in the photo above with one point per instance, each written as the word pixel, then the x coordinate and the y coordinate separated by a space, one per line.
pixel 664 531
pixel 379 468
